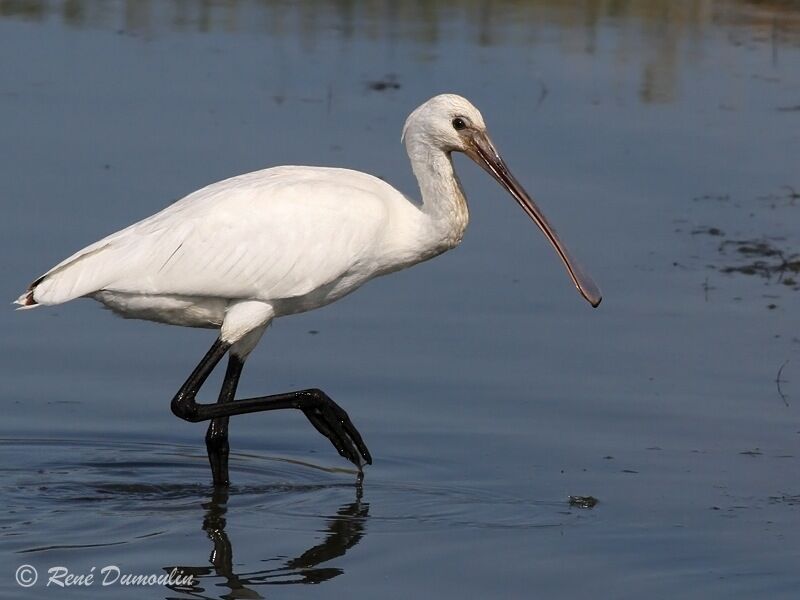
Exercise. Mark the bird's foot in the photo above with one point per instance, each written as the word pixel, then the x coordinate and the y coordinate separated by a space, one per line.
pixel 332 421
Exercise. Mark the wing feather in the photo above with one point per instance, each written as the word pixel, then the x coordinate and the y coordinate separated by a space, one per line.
pixel 277 233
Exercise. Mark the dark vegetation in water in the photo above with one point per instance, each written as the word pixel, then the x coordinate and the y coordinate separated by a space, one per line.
pixel 762 258
pixel 787 197
pixel 774 259
pixel 779 381
pixel 788 499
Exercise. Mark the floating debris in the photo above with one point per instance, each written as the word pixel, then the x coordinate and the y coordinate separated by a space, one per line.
pixel 715 197
pixel 753 452
pixel 789 499
pixel 779 381
pixel 782 199
pixel 387 83
pixel 708 231
pixel 583 501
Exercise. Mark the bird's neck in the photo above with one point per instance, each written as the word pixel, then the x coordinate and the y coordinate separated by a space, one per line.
pixel 443 200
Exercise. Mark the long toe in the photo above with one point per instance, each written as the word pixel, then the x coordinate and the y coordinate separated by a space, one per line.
pixel 352 432
pixel 340 438
pixel 332 421
pixel 324 420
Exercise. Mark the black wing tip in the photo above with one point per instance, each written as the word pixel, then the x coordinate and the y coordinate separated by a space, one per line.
pixel 27 300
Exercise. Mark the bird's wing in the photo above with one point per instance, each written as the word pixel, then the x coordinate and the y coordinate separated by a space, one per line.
pixel 277 233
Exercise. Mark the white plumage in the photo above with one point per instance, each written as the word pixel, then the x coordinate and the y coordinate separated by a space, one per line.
pixel 240 252
pixel 292 238
pixel 295 237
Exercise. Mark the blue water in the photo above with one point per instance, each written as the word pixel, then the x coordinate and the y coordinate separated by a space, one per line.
pixel 661 139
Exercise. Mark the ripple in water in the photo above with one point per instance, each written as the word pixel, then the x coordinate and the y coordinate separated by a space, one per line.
pixel 77 500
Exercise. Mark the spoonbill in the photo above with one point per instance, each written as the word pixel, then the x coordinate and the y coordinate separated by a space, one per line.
pixel 241 252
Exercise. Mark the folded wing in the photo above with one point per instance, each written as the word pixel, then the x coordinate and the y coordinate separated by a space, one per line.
pixel 278 233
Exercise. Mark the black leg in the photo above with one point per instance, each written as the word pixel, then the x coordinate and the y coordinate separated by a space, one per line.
pixel 217 434
pixel 324 414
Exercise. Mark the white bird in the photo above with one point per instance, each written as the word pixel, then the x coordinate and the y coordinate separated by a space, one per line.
pixel 241 252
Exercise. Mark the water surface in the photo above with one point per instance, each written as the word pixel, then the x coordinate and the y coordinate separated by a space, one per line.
pixel 661 139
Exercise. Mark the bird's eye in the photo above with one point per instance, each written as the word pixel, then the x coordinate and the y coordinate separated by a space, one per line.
pixel 459 124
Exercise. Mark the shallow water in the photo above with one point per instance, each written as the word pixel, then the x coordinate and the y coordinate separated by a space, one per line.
pixel 660 137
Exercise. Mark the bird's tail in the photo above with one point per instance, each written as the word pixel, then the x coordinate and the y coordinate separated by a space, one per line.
pixel 75 277
pixel 26 300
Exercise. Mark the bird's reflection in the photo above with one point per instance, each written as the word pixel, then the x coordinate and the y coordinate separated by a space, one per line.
pixel 342 531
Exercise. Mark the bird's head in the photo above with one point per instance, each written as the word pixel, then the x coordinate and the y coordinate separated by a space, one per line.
pixel 447 122
pixel 451 123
